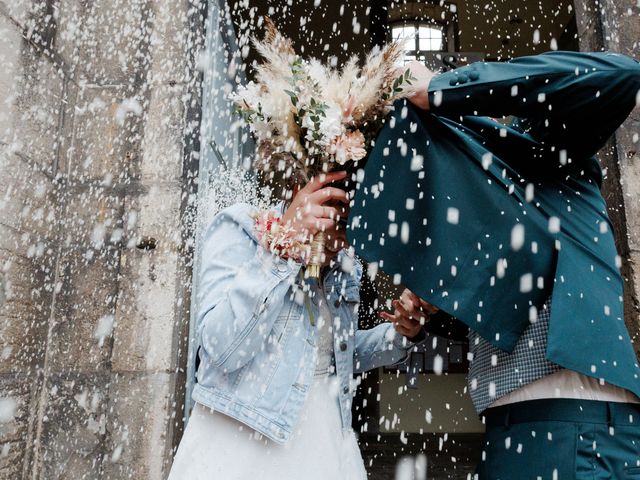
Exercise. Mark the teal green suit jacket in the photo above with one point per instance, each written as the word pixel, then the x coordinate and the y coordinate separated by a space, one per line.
pixel 487 220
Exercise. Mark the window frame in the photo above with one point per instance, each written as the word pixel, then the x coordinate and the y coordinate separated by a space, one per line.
pixel 416 52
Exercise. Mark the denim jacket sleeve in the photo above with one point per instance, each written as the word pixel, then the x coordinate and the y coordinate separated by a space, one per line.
pixel 241 289
pixel 379 346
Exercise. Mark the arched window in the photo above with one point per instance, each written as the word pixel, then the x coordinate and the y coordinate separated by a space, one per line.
pixel 419 38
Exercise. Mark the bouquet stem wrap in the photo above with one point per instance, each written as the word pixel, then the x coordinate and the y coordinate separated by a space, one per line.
pixel 316 254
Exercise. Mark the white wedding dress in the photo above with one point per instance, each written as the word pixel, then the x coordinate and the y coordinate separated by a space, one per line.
pixel 215 446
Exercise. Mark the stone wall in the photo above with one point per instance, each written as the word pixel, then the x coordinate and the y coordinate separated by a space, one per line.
pixel 98 125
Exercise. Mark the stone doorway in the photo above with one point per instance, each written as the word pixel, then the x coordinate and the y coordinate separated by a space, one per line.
pixel 434 415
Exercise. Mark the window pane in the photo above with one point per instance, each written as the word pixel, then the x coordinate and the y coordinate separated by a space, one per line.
pixel 432 44
pixel 406 33
pixel 421 37
pixel 396 32
pixel 430 38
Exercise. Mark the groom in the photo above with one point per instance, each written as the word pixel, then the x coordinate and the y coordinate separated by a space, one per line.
pixel 500 223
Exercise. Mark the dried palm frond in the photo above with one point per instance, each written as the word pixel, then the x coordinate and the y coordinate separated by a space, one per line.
pixel 277 51
pixel 378 74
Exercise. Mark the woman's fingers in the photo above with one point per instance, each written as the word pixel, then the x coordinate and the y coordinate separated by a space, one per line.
pixel 323 179
pixel 326 194
pixel 314 225
pixel 323 211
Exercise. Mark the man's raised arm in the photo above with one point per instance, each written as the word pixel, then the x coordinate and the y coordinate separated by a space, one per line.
pixel 570 100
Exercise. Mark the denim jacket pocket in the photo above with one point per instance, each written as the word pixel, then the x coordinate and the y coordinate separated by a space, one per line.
pixel 283 322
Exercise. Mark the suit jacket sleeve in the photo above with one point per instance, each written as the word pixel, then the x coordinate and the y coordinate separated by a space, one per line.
pixel 444 325
pixel 571 101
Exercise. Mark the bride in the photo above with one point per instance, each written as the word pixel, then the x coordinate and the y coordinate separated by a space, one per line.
pixel 274 384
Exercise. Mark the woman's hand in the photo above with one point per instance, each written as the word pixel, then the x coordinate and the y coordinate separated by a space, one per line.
pixel 410 314
pixel 318 207
pixel 423 77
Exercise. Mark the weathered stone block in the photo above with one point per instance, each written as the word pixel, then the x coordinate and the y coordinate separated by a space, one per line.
pixel 169 45
pixel 27 273
pixel 31 92
pixel 163 141
pixel 104 134
pixel 145 329
pixel 87 282
pixel 83 313
pixel 24 314
pixel 15 405
pixel 17 10
pixel 105 41
pixel 123 41
pixel 73 426
pixel 631 188
pixel 28 197
pixel 142 418
pixel 632 319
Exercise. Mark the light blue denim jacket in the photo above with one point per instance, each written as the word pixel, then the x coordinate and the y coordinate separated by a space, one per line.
pixel 258 347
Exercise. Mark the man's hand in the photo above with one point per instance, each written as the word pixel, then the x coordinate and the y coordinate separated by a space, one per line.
pixel 410 314
pixel 423 77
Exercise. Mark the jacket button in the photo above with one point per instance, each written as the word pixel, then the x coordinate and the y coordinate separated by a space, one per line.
pixel 336 303
pixel 343 346
pixel 345 390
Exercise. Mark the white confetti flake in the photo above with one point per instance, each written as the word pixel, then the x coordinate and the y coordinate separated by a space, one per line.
pixel 526 283
pixel 428 416
pixel 103 328
pixel 529 192
pixel 487 160
pixel 438 363
pixel 536 36
pixel 554 224
pixel 404 233
pixel 517 237
pixel 437 98
pixel 417 163
pixel 453 215
pixel 8 408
